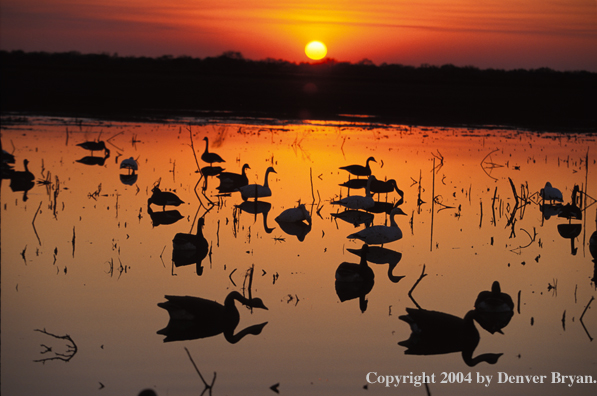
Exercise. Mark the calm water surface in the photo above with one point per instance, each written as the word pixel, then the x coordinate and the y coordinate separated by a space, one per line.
pixel 82 256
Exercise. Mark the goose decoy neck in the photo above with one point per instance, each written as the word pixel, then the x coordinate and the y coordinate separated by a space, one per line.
pixel 495 287
pixel 253 303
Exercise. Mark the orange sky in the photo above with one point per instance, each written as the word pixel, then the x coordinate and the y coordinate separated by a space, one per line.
pixel 560 34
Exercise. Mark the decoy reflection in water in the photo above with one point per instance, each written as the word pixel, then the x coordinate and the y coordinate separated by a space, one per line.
pixel 358 201
pixel 355 280
pixel 211 170
pixel 549 193
pixel 190 248
pixel 163 198
pixel 570 231
pixel 435 333
pixel 22 180
pixel 377 186
pixel 92 160
pixel 93 145
pixel 255 208
pixel 494 309
pixel 377 235
pixel 6 161
pixel 193 317
pixel 355 217
pixel 164 217
pixel 230 182
pixel 256 190
pixel 208 157
pixel 381 256
pixel 359 170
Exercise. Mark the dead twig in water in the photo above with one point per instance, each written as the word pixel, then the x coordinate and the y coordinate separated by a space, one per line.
pixel 207 386
pixel 583 314
pixel 423 274
pixel 71 349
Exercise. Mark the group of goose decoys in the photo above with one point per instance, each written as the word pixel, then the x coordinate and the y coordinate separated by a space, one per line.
pixel 128 164
pixel 361 209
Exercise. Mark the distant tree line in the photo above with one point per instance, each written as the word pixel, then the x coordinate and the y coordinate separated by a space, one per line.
pixel 112 84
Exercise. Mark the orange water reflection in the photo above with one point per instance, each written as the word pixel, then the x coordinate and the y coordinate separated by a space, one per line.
pixel 94 265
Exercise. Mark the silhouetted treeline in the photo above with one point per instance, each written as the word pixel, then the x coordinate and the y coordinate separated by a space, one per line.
pixel 114 86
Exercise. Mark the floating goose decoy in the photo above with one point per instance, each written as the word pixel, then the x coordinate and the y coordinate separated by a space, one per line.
pixel 377 235
pixel 358 201
pixel 352 272
pixel 435 333
pixel 494 309
pixel 208 157
pixel 163 198
pixel 93 145
pixel 294 215
pixel 193 317
pixel 256 190
pixel 22 180
pixel 190 248
pixel 359 170
pixel 234 179
pixel 130 164
pixel 549 193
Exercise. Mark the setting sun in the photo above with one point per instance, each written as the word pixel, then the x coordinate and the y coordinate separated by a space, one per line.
pixel 316 50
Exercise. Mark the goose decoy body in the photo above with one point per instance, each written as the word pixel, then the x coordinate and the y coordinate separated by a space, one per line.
pixel 435 333
pixel 359 170
pixel 377 235
pixel 93 145
pixel 549 193
pixel 352 272
pixel 294 215
pixel 129 164
pixel 194 317
pixel 163 198
pixel 256 190
pixel 231 180
pixel 494 309
pixel 358 201
pixel 208 157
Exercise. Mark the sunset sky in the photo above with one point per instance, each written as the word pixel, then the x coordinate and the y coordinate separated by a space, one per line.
pixel 505 34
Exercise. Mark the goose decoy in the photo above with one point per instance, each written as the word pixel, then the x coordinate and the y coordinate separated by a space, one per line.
pixel 233 181
pixel 163 198
pixel 494 309
pixel 377 235
pixel 190 248
pixel 22 180
pixel 352 272
pixel 130 164
pixel 208 157
pixel 256 190
pixel 549 193
pixel 294 215
pixel 193 317
pixel 435 333
pixel 359 170
pixel 358 201
pixel 93 145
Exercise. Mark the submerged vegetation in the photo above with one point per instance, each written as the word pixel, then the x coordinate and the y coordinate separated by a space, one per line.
pixel 112 85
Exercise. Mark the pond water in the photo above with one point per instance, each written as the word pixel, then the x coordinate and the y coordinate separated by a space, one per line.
pixel 84 256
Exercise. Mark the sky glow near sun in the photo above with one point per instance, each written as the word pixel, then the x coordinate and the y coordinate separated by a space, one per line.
pixel 561 34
